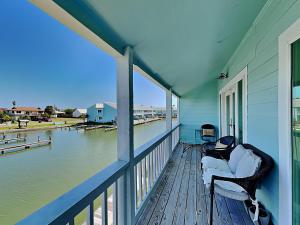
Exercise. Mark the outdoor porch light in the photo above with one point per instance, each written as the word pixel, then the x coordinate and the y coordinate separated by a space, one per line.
pixel 223 76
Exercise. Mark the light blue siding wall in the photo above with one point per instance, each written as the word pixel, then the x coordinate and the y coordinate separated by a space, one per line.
pixel 259 50
pixel 93 115
pixel 196 108
pixel 109 113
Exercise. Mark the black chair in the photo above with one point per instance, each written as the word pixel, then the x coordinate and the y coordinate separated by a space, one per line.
pixel 210 149
pixel 249 184
pixel 208 132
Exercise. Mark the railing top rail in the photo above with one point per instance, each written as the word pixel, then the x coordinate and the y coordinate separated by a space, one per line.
pixel 146 148
pixel 66 207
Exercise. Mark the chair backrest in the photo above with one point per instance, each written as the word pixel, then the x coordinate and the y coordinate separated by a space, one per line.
pixel 208 130
pixel 227 140
pixel 267 162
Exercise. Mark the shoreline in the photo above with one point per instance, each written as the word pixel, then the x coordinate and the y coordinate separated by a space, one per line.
pixel 138 122
pixel 33 129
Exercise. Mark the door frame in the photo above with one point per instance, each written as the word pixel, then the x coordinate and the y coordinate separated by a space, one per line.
pixel 286 39
pixel 243 75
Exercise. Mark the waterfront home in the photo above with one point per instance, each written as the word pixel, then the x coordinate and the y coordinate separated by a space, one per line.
pixel 105 112
pixel 3 109
pixel 58 113
pixel 20 112
pixel 233 64
pixel 142 111
pixel 79 113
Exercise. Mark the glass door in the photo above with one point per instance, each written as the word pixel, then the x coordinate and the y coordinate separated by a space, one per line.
pixel 296 131
pixel 233 108
pixel 231 112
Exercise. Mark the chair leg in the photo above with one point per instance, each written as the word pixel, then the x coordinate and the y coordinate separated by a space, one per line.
pixel 211 204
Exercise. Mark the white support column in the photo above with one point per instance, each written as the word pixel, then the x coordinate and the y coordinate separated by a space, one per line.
pixel 169 119
pixel 126 207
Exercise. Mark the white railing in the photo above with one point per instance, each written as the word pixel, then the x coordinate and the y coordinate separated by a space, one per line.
pixel 175 137
pixel 149 162
pixel 91 197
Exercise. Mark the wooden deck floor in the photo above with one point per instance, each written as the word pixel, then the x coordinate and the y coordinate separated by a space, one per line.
pixel 182 199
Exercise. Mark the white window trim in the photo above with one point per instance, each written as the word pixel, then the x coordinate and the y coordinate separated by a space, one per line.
pixel 284 122
pixel 243 75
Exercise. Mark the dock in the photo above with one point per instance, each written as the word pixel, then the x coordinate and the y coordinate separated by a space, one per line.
pixel 135 123
pixel 16 148
pixel 94 127
pixel 8 141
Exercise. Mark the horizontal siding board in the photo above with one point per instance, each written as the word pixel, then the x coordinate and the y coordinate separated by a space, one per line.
pixel 266 67
pixel 266 82
pixel 263 96
pixel 196 108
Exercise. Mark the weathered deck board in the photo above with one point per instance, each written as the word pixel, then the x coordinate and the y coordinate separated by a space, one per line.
pixel 182 198
pixel 202 207
pixel 170 206
pixel 190 213
pixel 151 205
pixel 160 207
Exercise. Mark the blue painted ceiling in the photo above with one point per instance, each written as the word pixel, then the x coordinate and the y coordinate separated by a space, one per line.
pixel 182 43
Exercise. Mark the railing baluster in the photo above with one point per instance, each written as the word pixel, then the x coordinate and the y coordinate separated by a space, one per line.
pixel 115 203
pixel 152 168
pixel 140 182
pixel 157 162
pixel 104 208
pixel 148 173
pixel 160 157
pixel 164 156
pixel 145 176
pixel 136 187
pixel 154 165
pixel 90 214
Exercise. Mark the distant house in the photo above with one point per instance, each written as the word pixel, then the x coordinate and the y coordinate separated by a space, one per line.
pixel 102 112
pixel 19 112
pixel 107 112
pixel 79 112
pixel 142 111
pixel 58 113
pixel 3 109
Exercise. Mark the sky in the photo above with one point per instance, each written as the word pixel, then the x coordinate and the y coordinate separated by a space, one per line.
pixel 42 62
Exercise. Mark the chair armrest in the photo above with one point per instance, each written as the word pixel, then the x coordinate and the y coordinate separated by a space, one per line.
pixel 248 183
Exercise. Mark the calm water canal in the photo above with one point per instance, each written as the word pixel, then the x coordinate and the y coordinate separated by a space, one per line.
pixel 33 178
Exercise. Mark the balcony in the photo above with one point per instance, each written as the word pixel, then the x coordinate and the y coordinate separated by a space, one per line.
pixel 229 63
pixel 165 191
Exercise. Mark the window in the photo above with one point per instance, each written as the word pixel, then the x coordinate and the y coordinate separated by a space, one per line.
pixel 99 110
pixel 100 117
